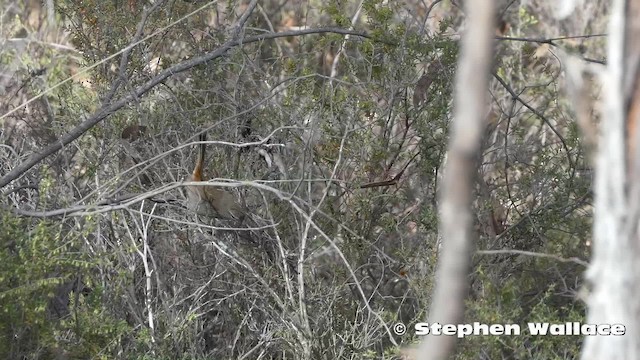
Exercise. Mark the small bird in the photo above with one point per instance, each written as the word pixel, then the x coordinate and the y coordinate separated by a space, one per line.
pixel 211 201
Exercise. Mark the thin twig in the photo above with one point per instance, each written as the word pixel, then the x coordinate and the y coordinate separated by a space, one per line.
pixel 535 254
pixel 108 110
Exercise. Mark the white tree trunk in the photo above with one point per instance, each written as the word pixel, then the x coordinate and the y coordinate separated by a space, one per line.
pixel 614 273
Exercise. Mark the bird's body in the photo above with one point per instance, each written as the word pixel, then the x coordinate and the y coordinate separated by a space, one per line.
pixel 210 201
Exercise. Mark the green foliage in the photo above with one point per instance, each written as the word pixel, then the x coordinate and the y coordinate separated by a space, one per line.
pixel 34 266
pixel 503 302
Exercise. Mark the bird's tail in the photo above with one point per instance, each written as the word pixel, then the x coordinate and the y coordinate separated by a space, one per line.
pixel 197 171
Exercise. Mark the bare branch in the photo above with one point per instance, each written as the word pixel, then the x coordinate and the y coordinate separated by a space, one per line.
pixel 550 41
pixel 535 254
pixel 108 110
pixel 538 114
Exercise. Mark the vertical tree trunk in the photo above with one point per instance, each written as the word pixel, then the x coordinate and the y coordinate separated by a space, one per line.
pixel 615 271
pixel 472 82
